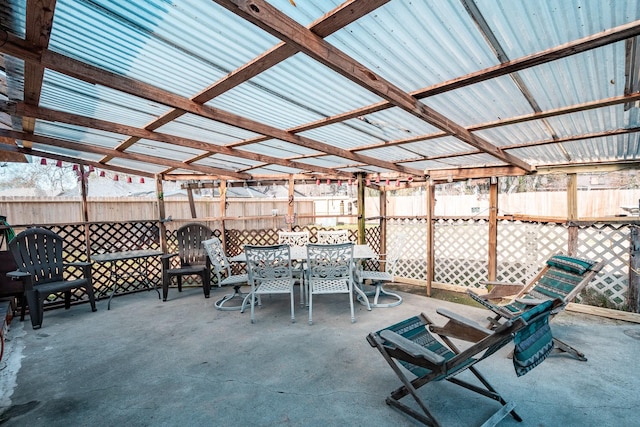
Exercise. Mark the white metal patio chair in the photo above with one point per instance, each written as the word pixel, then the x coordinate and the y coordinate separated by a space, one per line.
pixel 330 271
pixel 333 237
pixel 270 272
pixel 378 280
pixel 296 239
pixel 222 269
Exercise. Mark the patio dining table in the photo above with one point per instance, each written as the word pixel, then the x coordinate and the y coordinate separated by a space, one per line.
pixel 299 253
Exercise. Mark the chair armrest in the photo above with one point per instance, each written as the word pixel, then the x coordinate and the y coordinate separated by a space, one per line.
pixel 78 264
pixel 26 278
pixel 501 290
pixel 17 275
pixel 460 327
pixel 167 256
pixel 530 301
pixel 411 348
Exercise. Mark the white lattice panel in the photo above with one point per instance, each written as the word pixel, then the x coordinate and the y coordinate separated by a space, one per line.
pixel 461 251
pixel 523 248
pixel 609 242
pixel 407 238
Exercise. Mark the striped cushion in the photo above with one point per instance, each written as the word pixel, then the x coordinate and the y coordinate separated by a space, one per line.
pixel 570 264
pixel 534 342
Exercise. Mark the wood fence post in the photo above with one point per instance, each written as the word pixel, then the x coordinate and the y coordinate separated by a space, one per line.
pixel 361 219
pixel 290 205
pixel 493 229
pixel 572 213
pixel 223 212
pixel 431 201
pixel 633 296
pixel 161 214
pixel 383 228
pixel 85 210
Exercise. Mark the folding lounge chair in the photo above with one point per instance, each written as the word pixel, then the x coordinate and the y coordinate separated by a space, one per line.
pixel 563 277
pixel 411 349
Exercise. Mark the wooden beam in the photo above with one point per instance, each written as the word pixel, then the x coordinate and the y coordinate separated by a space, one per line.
pixel 105 151
pixel 15 149
pixel 24 110
pixel 280 25
pixel 459 174
pixel 603 38
pixel 333 21
pixel 39 20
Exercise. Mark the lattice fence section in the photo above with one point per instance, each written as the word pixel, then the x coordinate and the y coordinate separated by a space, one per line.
pixel 523 248
pixel 125 236
pixel 407 239
pixel 609 242
pixel 461 251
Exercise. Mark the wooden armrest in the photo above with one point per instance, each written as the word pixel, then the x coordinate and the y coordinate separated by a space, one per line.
pixel 411 348
pixel 502 290
pixel 460 327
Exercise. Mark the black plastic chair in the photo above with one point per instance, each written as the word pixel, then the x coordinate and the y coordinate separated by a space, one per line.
pixel 193 258
pixel 40 264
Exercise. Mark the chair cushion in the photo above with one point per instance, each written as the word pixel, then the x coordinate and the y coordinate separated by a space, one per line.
pixel 534 342
pixel 570 264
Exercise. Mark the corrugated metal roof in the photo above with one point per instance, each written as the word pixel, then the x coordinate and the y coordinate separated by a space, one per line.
pixel 181 59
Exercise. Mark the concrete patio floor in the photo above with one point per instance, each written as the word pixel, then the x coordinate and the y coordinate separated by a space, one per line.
pixel 182 362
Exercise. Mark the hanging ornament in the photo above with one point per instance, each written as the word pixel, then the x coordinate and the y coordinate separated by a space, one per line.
pixel 116 178
pixel 59 163
pixel 102 174
pixel 43 162
pixel 141 180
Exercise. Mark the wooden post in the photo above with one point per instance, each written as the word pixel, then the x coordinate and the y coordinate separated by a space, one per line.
pixel 633 292
pixel 192 204
pixel 361 218
pixel 383 227
pixel 431 201
pixel 85 210
pixel 493 229
pixel 290 205
pixel 572 213
pixel 162 229
pixel 223 212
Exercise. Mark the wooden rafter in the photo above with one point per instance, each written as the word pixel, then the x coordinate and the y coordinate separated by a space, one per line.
pixel 343 15
pixel 39 19
pixel 280 25
pixel 24 110
pixel 54 142
pixel 86 72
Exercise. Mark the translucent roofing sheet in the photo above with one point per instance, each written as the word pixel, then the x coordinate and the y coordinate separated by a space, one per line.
pixel 64 93
pixel 143 39
pixel 410 43
pixel 164 150
pixel 206 130
pixel 74 154
pixel 78 134
pixel 279 148
pixel 135 165
pixel 185 47
pixel 391 124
